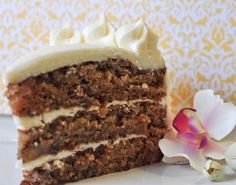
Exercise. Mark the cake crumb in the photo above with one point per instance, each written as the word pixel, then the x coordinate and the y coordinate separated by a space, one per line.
pixel 58 163
pixel 144 86
pixel 46 166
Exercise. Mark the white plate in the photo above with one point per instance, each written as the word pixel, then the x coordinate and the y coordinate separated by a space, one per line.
pixel 158 174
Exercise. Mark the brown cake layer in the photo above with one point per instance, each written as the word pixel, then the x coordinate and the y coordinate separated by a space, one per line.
pixel 87 84
pixel 105 159
pixel 142 118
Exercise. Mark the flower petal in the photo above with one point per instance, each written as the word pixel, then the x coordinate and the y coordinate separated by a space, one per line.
pixel 175 160
pixel 203 141
pixel 177 148
pixel 215 150
pixel 199 140
pixel 217 117
pixel 186 121
pixel 230 156
pixel 231 137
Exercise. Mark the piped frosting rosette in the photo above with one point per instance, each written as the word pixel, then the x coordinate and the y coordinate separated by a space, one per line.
pixel 135 37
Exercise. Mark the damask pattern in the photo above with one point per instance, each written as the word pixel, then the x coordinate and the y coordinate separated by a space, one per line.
pixel 197 38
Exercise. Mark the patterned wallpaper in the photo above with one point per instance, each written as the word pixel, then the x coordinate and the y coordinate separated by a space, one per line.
pixel 197 38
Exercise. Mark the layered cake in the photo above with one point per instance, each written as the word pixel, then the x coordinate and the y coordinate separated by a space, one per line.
pixel 91 103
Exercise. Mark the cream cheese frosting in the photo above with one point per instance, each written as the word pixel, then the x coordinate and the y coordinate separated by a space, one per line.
pixel 101 32
pixel 98 41
pixel 65 35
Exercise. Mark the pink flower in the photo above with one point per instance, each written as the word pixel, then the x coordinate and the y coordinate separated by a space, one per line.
pixel 198 131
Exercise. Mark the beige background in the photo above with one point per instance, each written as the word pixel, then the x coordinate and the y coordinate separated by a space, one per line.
pixel 197 38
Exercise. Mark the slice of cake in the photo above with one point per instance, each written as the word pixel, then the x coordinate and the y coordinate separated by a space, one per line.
pixel 90 104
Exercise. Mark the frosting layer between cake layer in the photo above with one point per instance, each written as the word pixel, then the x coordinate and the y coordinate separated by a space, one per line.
pixel 27 122
pixel 38 162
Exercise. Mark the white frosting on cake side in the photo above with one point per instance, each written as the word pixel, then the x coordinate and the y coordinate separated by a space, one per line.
pixel 98 41
pixel 28 122
pixel 65 153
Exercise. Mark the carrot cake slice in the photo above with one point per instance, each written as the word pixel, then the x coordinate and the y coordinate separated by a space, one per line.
pixel 91 103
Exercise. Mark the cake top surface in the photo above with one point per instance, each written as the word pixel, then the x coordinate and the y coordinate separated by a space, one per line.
pixel 96 42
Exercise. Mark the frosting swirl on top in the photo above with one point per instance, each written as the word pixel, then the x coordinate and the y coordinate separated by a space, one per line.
pixel 138 38
pixel 65 35
pixel 101 32
pixel 135 37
